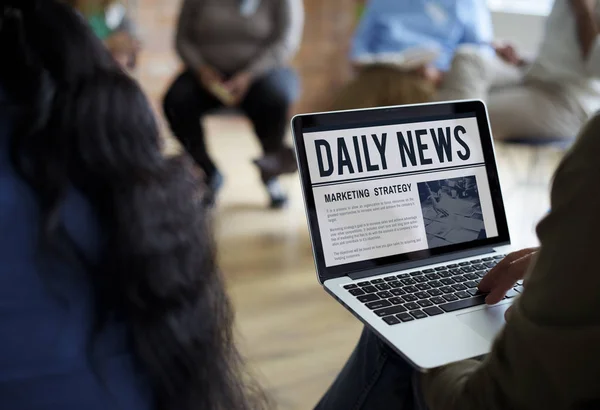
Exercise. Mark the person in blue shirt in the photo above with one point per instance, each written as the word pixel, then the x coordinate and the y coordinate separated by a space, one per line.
pixel 402 49
pixel 110 297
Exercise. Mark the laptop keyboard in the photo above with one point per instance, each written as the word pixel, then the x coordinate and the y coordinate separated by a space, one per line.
pixel 430 292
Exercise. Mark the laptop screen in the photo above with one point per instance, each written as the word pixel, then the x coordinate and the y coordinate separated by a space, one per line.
pixel 415 186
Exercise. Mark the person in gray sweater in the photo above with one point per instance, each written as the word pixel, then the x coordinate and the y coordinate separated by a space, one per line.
pixel 237 53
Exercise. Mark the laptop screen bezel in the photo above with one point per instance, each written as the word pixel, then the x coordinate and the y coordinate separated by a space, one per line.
pixel 400 114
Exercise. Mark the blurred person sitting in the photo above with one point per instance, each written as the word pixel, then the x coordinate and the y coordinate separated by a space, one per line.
pixel 418 39
pixel 236 54
pixel 110 297
pixel 110 22
pixel 549 96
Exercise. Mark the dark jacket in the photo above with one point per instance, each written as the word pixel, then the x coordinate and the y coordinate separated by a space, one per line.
pixel 50 357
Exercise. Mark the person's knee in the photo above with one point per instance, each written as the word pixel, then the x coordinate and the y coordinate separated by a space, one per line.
pixel 291 85
pixel 273 104
pixel 178 97
pixel 168 104
pixel 472 53
pixel 171 102
pixel 278 103
pixel 278 90
pixel 470 60
pixel 468 76
pixel 370 342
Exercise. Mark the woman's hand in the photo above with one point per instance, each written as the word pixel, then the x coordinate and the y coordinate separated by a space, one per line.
pixel 123 47
pixel 586 23
pixel 239 85
pixel 122 42
pixel 505 275
pixel 580 7
pixel 208 76
pixel 509 54
pixel 431 74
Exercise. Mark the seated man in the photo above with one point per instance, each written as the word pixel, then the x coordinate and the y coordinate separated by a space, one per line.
pixel 551 97
pixel 402 28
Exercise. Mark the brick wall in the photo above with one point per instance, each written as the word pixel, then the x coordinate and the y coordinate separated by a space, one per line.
pixel 322 60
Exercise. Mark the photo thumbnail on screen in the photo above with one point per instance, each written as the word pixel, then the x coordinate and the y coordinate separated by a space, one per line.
pixel 451 211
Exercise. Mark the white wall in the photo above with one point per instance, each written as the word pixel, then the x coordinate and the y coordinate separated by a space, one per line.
pixel 523 30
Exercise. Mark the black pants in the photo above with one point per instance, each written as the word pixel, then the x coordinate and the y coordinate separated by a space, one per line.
pixel 374 378
pixel 266 104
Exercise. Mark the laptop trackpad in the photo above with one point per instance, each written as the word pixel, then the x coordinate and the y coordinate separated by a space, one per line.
pixel 486 322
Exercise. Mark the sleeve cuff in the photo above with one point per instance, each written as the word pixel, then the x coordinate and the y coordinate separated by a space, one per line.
pixel 188 55
pixel 441 386
pixel 261 66
pixel 357 55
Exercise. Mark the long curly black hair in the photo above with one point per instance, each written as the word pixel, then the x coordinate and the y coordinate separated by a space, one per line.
pixel 83 122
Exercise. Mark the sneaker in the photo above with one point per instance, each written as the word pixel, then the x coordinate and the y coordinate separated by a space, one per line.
pixel 277 195
pixel 214 184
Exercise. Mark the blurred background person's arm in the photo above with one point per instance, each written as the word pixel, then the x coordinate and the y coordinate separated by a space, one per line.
pixel 186 48
pixel 586 19
pixel 361 42
pixel 509 54
pixel 109 20
pixel 285 41
pixel 477 22
pixel 289 25
pixel 125 26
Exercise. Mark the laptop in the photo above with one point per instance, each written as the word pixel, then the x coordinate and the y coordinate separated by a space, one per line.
pixel 406 216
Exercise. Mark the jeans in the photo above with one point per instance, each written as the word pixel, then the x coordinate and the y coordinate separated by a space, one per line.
pixel 267 105
pixel 374 378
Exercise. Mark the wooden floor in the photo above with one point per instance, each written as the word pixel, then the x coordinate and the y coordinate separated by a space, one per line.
pixel 296 337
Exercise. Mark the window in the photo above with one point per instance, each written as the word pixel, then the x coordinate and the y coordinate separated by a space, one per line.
pixel 539 7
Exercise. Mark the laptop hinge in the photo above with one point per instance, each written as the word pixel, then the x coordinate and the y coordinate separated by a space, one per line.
pixel 415 264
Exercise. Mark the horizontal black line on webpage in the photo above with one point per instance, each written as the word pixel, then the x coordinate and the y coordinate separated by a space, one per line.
pixel 356 125
pixel 376 177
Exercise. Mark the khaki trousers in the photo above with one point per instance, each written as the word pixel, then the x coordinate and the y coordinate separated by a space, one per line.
pixel 519 105
pixel 379 86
